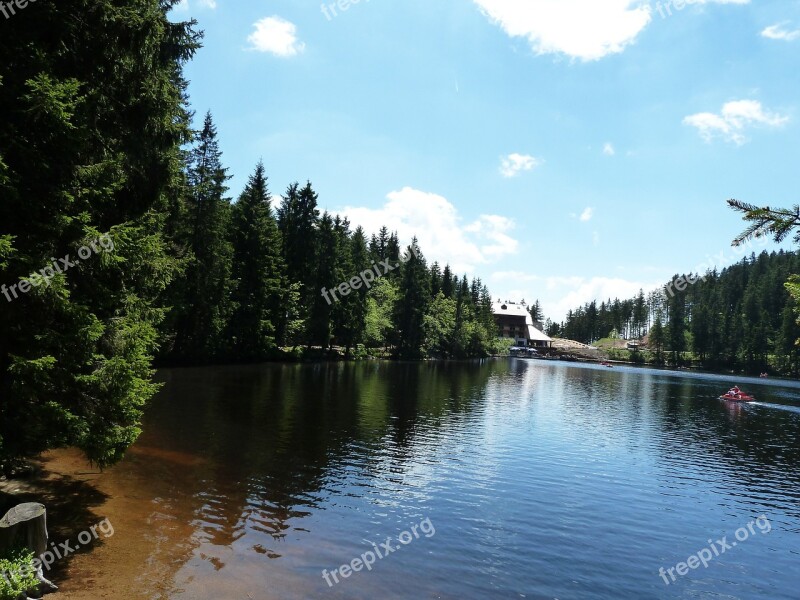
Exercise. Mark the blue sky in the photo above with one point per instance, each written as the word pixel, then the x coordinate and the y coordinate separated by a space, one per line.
pixel 563 150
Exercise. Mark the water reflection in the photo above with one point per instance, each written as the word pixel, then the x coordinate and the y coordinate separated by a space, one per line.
pixel 544 480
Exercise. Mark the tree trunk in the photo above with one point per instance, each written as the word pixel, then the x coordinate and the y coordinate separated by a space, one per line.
pixel 25 526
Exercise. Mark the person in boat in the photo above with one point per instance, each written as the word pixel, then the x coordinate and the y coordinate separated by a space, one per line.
pixel 735 391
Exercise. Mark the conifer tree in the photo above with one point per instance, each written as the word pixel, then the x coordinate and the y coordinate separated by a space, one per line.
pixel 206 308
pixel 89 146
pixel 327 277
pixel 259 285
pixel 298 220
pixel 412 304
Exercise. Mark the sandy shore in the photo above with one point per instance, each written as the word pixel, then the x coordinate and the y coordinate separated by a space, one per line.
pixel 138 560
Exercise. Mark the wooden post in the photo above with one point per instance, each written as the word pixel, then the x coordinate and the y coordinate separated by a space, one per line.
pixel 25 526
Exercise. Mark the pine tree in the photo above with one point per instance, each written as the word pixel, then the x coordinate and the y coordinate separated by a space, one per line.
pixel 436 279
pixel 206 308
pixel 298 220
pixel 676 328
pixel 536 312
pixel 448 288
pixel 257 272
pixel 361 263
pixel 790 330
pixel 323 291
pixel 639 315
pixel 413 303
pixel 90 145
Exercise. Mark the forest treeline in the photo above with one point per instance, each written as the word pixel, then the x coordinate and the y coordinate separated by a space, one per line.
pixel 96 143
pixel 742 318
pixel 263 275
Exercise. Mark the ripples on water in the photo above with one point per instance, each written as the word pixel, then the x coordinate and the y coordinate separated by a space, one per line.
pixel 543 480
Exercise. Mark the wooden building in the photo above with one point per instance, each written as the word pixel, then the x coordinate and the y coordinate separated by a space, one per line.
pixel 515 322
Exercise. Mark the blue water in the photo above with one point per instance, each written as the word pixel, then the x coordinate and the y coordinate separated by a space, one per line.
pixel 543 480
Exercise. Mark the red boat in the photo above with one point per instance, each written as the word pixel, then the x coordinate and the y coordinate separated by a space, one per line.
pixel 736 395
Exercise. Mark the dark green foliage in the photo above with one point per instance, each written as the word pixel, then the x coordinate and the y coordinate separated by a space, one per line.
pixel 676 326
pixel 258 273
pixel 205 307
pixel 96 143
pixel 89 144
pixel 776 223
pixel 328 274
pixel 536 312
pixel 740 318
pixel 298 220
pixel 409 318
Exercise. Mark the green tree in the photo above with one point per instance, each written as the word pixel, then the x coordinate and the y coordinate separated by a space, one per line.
pixel 328 276
pixel 657 338
pixel 257 272
pixel 298 222
pixel 440 325
pixel 536 312
pixel 413 303
pixel 356 324
pixel 790 329
pixel 676 328
pixel 206 307
pixel 89 145
pixel 381 301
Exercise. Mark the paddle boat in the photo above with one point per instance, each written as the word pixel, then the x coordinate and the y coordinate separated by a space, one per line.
pixel 737 395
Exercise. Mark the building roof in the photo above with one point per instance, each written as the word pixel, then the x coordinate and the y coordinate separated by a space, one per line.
pixel 512 309
pixel 538 336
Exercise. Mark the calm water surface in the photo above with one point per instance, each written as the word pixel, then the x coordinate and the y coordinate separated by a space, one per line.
pixel 543 480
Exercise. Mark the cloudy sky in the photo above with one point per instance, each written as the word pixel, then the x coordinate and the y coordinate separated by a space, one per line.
pixel 563 150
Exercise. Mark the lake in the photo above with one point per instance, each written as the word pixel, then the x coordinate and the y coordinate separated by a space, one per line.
pixel 493 479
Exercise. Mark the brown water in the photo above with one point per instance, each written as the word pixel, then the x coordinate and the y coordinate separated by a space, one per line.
pixel 543 480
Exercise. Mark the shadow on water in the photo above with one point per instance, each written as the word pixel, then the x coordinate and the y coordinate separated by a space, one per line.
pixel 70 510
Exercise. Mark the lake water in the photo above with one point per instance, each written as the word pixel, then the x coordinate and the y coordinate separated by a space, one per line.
pixel 541 480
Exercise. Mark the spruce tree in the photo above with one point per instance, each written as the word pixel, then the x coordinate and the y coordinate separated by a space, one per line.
pixel 298 220
pixel 259 284
pixel 89 145
pixel 323 292
pixel 412 304
pixel 206 308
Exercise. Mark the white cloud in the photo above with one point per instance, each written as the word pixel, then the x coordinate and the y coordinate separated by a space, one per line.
pixel 609 150
pixel 436 224
pixel 514 164
pixel 734 119
pixel 276 36
pixel 583 29
pixel 587 215
pixel 779 32
pixel 559 295
pixel 580 29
